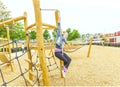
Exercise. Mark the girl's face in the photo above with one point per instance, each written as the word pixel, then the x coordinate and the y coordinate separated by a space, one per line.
pixel 65 34
pixel 61 30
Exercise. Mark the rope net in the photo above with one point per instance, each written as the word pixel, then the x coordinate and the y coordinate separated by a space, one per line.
pixel 20 76
pixel 21 69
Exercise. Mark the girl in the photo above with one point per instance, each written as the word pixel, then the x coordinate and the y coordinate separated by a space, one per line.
pixel 60 41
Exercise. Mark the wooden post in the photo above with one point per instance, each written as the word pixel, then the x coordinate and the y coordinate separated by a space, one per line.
pixel 90 44
pixel 9 47
pixel 0 44
pixel 102 43
pixel 56 18
pixel 27 44
pixel 39 37
pixel 3 45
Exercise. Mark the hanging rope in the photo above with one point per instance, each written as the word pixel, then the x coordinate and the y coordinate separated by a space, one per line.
pixel 4 83
pixel 70 51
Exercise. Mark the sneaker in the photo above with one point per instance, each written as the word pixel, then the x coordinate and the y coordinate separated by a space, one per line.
pixel 63 73
pixel 65 69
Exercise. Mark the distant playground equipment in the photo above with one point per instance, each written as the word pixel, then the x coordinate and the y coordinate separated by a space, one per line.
pixel 37 64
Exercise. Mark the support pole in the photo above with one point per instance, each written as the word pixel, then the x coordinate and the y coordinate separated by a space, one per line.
pixel 90 44
pixel 56 17
pixel 27 44
pixel 9 47
pixel 39 36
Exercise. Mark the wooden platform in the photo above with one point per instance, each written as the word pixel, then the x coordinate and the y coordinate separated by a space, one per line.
pixel 3 57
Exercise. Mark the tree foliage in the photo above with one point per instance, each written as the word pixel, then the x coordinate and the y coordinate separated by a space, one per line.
pixel 54 33
pixel 72 35
pixel 4 13
pixel 46 35
pixel 33 35
pixel 83 36
pixel 16 29
pixel 68 31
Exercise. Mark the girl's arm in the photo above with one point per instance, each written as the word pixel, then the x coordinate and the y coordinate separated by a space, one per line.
pixel 58 30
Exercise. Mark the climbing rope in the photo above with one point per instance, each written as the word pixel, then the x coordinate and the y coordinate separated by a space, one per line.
pixel 70 51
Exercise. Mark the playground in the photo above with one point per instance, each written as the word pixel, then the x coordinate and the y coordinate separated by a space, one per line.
pixel 97 70
pixel 91 65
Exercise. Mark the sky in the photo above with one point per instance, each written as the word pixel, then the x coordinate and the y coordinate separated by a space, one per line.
pixel 87 16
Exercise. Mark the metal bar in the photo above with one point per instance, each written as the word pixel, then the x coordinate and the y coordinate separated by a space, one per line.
pixel 48 9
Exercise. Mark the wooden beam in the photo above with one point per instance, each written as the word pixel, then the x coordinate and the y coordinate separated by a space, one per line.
pixel 47 26
pixel 12 20
pixel 30 26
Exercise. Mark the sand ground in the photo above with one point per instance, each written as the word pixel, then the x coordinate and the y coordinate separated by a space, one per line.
pixel 100 69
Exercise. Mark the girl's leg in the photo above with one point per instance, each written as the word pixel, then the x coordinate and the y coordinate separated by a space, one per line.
pixel 68 60
pixel 61 57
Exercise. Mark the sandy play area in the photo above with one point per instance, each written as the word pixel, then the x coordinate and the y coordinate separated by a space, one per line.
pixel 100 69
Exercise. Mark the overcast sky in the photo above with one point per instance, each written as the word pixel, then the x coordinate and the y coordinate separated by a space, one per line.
pixel 88 16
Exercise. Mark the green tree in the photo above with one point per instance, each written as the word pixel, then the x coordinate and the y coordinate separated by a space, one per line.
pixel 17 31
pixel 83 36
pixel 68 31
pixel 54 33
pixel 88 35
pixel 33 35
pixel 4 15
pixel 21 34
pixel 73 35
pixel 46 34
